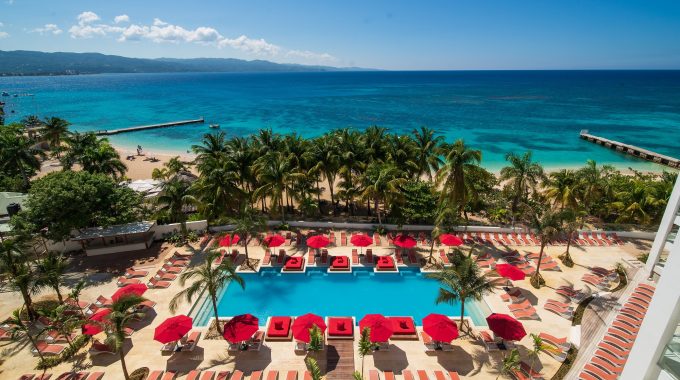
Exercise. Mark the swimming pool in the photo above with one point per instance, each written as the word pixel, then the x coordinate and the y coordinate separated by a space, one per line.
pixel 269 292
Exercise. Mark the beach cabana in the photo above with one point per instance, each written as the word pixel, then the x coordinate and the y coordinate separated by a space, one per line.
pixel 118 238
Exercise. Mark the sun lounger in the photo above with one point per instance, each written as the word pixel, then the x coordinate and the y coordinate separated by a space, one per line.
pixel 388 375
pixel 291 375
pixel 407 375
pixel 157 284
pixel 614 360
pixel 526 314
pixel 267 259
pixel 72 375
pixel 385 263
pixel 272 375
pixel 605 365
pixel 599 373
pixel 324 256
pixel 192 338
pixel 625 345
pixel 122 281
pixel 170 269
pixel 524 305
pixel 193 375
pixel 238 375
pixel 612 349
pixel 223 375
pixel 154 375
pixel 489 342
pixel 566 313
pixel 422 375
pixel 256 375
pixel 526 368
pixel 132 273
pixel 47 349
pixel 207 375
pixel 373 375
pixel 355 257
pixel 368 259
pixel 281 257
pixel 163 276
pixel 444 258
pixel 279 328
pixel 557 342
pixel 428 342
pixel 169 375
pixel 307 376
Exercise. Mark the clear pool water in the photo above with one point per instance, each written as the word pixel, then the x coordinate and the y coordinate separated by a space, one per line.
pixel 355 294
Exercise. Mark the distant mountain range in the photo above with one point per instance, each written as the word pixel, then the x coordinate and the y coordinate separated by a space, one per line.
pixel 22 62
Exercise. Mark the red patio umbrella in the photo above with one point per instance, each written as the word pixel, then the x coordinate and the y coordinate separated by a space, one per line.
pixel 405 241
pixel 274 240
pixel 304 323
pixel 173 329
pixel 510 271
pixel 228 240
pixel 506 326
pixel 241 328
pixel 136 289
pixel 450 240
pixel 380 327
pixel 440 327
pixel 361 240
pixel 96 328
pixel 317 241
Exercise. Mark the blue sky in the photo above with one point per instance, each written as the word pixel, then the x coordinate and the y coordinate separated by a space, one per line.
pixel 411 35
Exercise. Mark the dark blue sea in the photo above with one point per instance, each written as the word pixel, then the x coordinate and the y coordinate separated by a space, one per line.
pixel 495 111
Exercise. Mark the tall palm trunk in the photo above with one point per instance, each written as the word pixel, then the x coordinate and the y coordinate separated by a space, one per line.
pixel 537 276
pixel 59 296
pixel 462 312
pixel 377 211
pixel 35 345
pixel 213 298
pixel 28 302
pixel 429 259
pixel 283 211
pixel 121 354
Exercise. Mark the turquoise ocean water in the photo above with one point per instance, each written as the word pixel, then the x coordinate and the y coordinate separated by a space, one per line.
pixel 270 293
pixel 498 112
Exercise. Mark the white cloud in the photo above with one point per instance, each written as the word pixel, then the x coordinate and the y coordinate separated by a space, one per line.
pixel 4 34
pixel 48 29
pixel 121 18
pixel 1 24
pixel 163 32
pixel 87 18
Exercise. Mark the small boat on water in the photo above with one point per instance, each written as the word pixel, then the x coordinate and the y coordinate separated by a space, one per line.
pixel 5 93
pixel 214 126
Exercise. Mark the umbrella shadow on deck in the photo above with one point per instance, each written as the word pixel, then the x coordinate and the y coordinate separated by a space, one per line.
pixel 393 360
pixel 457 360
pixel 185 361
pixel 244 361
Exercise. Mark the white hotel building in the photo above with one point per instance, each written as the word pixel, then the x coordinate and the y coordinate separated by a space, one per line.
pixel 656 351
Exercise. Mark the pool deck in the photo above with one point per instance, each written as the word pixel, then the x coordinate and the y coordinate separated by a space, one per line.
pixel 469 357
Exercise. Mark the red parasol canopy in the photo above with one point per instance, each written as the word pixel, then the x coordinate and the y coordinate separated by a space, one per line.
pixel 136 289
pixel 274 240
pixel 450 240
pixel 405 241
pixel 361 240
pixel 317 241
pixel 304 323
pixel 228 240
pixel 96 328
pixel 506 326
pixel 381 327
pixel 440 327
pixel 510 271
pixel 241 328
pixel 173 329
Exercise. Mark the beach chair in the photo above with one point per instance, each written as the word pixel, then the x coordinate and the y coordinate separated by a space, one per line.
pixel 368 259
pixel 373 375
pixel 267 259
pixel 167 268
pixel 616 239
pixel 311 257
pixel 47 349
pixel 238 375
pixel 614 360
pixel 222 375
pixel 292 375
pixel 256 375
pixel 154 375
pixel 132 273
pixel 324 256
pixel 163 276
pixel 122 281
pixel 169 375
pixel 193 375
pixel 191 341
pixel 614 350
pixel 355 257
pixel 566 313
pixel 281 257
pixel 154 283
pixel 606 365
pixel 412 257
pixel 598 373
pixel 489 342
pixel 98 348
pixel 444 258
pixel 388 375
pixel 407 375
pixel 272 375
pixel 422 375
pixel 526 314
pixel 430 346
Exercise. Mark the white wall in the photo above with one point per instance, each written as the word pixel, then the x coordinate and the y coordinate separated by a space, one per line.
pixel 160 230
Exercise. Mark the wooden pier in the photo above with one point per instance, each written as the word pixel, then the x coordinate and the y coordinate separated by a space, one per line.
pixel 151 126
pixel 632 150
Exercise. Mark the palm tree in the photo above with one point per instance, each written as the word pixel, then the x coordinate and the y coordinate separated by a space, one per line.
pixel 383 184
pixel 63 321
pixel 428 149
pixel 511 363
pixel 13 263
pixel 18 154
pixel 460 283
pixel 209 278
pixel 74 294
pixel 563 188
pixel 537 347
pixel 327 157
pixel 547 227
pixel 212 148
pixel 174 197
pixel 273 171
pixel 246 224
pixel 17 328
pixel 523 175
pixel 636 202
pixel 123 311
pixel 458 159
pixel 54 130
pixel 103 158
pixel 314 369
pixel 365 346
pixel 443 213
pixel 51 271
pixel 594 182
pixel 571 222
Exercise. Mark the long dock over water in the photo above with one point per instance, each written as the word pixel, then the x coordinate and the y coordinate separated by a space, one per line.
pixel 632 150
pixel 150 126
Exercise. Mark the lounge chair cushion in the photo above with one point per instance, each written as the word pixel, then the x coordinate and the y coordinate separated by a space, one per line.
pixel 385 262
pixel 294 263
pixel 340 262
pixel 279 327
pixel 338 326
pixel 403 325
